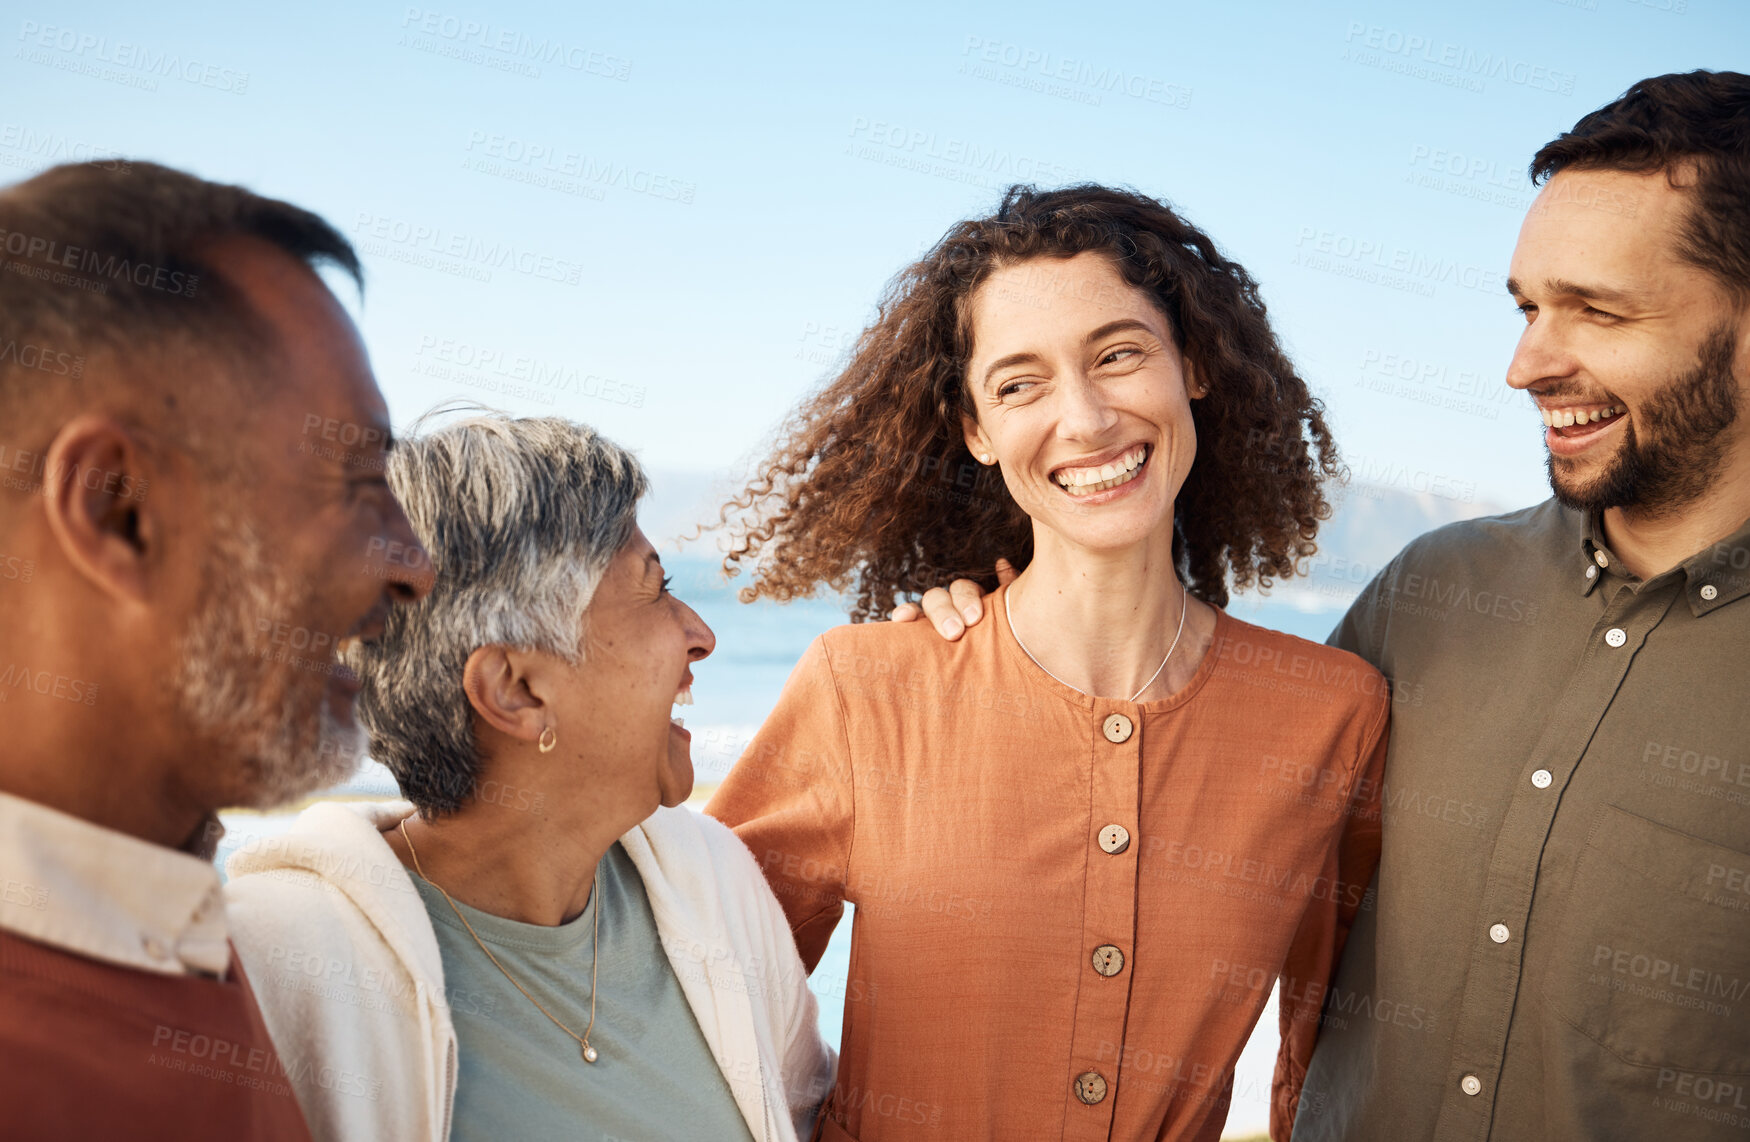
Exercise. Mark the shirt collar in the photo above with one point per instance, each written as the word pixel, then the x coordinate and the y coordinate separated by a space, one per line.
pixel 100 893
pixel 1714 576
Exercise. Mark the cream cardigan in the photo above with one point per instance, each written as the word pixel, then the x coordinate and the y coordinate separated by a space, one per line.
pixel 346 968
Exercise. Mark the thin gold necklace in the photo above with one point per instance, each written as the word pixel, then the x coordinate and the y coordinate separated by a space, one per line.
pixel 1184 605
pixel 589 1052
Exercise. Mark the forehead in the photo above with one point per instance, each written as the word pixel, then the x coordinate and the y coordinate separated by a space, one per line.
pixel 320 370
pixel 1047 295
pixel 1591 225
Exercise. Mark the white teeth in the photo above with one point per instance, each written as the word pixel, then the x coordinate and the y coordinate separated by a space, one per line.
pixel 344 645
pixel 1072 478
pixel 1558 418
pixel 684 697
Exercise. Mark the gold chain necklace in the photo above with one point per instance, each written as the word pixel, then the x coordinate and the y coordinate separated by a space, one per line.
pixel 589 1052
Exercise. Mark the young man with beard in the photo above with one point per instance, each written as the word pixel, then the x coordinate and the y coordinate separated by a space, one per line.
pixel 1560 946
pixel 200 500
pixel 1557 943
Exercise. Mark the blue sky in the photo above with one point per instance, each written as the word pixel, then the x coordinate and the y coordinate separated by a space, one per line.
pixel 668 221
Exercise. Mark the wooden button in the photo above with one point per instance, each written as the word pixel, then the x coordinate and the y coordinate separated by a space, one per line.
pixel 1108 960
pixel 1091 1087
pixel 1114 839
pixel 1117 729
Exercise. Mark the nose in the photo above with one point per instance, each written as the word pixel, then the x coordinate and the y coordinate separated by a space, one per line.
pixel 1084 412
pixel 402 561
pixel 1541 355
pixel 701 639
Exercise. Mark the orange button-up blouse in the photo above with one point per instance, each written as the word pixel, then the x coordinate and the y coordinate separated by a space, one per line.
pixel 1070 910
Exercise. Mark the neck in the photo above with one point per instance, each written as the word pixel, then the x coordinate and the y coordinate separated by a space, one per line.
pixel 1650 544
pixel 1101 621
pixel 111 785
pixel 534 868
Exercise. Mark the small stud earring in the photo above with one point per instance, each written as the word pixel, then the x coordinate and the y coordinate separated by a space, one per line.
pixel 549 739
pixel 984 457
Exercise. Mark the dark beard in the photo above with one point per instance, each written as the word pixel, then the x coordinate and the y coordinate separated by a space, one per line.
pixel 1680 445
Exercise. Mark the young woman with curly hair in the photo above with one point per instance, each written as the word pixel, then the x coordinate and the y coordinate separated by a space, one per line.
pixel 1086 838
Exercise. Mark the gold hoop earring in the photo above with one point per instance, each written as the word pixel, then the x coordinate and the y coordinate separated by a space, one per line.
pixel 549 739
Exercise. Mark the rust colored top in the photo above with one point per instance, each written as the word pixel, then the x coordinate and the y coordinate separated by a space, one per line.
pixel 1070 910
pixel 90 1049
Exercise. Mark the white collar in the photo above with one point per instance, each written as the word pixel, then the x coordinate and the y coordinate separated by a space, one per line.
pixel 99 893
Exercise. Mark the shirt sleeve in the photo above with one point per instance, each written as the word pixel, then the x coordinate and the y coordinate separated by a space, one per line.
pixel 1362 628
pixel 790 800
pixel 1318 942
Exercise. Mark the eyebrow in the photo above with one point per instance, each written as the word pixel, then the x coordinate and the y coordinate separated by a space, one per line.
pixel 1564 286
pixel 1121 325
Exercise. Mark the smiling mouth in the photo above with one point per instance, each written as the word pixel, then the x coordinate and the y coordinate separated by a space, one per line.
pixel 683 697
pixel 1078 482
pixel 1577 423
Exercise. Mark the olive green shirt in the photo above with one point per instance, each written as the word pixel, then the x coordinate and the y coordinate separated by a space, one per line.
pixel 1560 942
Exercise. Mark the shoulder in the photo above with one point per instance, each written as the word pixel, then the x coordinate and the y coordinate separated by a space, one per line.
pixel 862 647
pixel 1545 530
pixel 1327 677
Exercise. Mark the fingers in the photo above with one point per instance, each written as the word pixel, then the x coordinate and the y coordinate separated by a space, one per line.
pixel 940 609
pixel 968 599
pixel 1005 572
pixel 905 613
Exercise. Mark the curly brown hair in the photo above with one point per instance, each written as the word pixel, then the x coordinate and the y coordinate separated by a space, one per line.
pixel 871 485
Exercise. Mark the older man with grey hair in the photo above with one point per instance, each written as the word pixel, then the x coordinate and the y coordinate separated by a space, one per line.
pixel 190 548
pixel 542 941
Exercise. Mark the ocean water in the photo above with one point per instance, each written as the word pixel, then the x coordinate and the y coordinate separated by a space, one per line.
pixel 757 646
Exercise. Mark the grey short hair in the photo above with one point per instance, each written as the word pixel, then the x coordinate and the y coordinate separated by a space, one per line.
pixel 521 517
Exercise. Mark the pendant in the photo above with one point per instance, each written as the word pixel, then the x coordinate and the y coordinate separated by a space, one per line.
pixel 589 1054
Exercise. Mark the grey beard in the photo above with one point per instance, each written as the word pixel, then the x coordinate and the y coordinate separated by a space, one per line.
pixel 282 749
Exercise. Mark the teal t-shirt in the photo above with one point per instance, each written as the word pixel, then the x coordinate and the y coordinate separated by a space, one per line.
pixel 522 1078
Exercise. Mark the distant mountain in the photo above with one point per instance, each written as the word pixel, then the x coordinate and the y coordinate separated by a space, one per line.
pixel 1371 523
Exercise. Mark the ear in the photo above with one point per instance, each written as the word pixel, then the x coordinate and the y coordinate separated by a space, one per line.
pixel 976 441
pixel 95 476
pixel 1194 388
pixel 497 681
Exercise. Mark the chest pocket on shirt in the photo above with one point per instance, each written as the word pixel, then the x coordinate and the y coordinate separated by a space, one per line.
pixel 1652 960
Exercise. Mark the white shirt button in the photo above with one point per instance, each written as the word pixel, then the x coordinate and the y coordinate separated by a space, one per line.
pixel 1709 592
pixel 1603 560
pixel 1114 839
pixel 1470 1084
pixel 1541 779
pixel 156 948
pixel 1591 572
pixel 1498 933
pixel 1615 636
pixel 1117 729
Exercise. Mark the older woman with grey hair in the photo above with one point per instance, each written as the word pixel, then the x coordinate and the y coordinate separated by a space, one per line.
pixel 542 944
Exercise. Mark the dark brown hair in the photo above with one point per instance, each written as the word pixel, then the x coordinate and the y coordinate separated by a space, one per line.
pixel 1698 120
pixel 118 256
pixel 871 487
